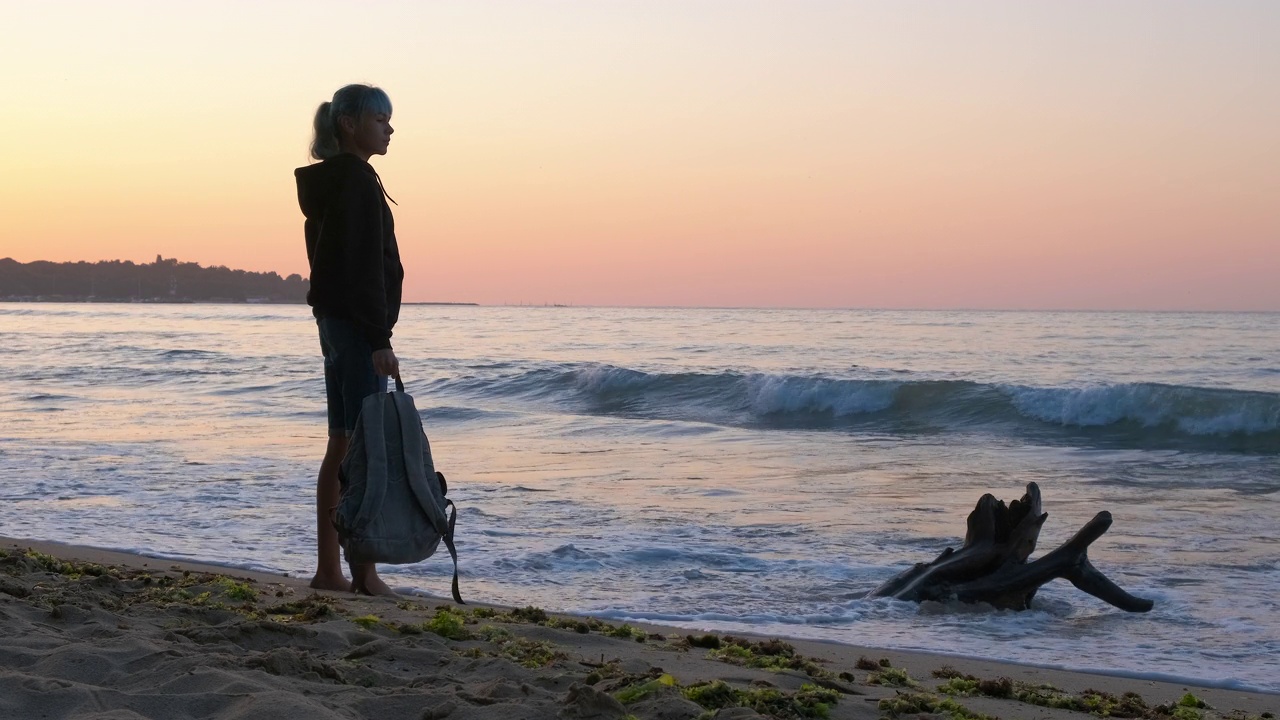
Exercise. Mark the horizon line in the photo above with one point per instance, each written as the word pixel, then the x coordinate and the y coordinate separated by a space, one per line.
pixel 569 306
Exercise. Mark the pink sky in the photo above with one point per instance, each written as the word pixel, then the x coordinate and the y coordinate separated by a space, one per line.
pixel 1094 155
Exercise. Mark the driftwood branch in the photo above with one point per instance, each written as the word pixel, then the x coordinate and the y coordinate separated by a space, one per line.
pixel 992 566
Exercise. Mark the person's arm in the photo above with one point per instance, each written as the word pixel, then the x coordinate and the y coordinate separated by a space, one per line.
pixel 356 218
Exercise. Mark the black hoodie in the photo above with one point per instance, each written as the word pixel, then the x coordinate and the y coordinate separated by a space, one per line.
pixel 351 245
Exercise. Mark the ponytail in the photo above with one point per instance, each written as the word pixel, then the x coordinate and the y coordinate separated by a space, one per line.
pixel 325 144
pixel 352 101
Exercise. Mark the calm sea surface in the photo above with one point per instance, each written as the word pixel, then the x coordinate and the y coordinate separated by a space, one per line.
pixel 728 469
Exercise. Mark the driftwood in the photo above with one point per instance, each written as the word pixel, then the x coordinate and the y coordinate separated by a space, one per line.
pixel 992 565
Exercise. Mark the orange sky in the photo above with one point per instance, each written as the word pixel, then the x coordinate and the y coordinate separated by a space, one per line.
pixel 833 154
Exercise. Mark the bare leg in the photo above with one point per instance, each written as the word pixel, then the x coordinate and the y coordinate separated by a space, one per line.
pixel 328 562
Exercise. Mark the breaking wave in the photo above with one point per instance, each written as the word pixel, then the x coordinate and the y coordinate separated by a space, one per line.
pixel 1127 413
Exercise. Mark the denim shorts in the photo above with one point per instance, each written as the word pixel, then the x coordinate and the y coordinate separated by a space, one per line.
pixel 348 372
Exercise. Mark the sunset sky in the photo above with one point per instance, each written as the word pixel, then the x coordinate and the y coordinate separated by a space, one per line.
pixel 1092 155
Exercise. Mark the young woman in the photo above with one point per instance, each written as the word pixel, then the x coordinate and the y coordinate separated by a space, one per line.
pixel 356 279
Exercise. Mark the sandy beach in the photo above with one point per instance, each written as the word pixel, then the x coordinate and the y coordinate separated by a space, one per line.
pixel 96 634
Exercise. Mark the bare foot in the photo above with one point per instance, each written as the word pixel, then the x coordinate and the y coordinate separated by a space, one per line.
pixel 367 582
pixel 330 582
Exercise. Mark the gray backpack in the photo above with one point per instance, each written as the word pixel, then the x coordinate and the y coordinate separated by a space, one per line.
pixel 393 503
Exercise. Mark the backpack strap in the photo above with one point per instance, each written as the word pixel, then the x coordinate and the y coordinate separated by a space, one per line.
pixel 372 418
pixel 414 439
pixel 415 447
pixel 453 552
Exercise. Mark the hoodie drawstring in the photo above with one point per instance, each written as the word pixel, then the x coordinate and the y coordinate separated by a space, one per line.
pixel 383 188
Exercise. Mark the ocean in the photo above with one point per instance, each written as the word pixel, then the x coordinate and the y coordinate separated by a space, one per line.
pixel 724 469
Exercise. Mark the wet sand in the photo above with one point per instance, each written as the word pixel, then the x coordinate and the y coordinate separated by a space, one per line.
pixel 87 633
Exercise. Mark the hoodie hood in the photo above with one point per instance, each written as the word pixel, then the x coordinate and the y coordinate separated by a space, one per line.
pixel 319 183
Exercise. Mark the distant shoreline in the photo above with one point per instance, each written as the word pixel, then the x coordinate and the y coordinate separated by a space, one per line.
pixel 1040 311
pixel 166 301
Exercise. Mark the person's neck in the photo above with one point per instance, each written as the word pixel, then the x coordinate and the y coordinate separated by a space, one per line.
pixel 362 155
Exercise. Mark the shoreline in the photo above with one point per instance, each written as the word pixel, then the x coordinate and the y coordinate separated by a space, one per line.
pixel 471 666
pixel 127 557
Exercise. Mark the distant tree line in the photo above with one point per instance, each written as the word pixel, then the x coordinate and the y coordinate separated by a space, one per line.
pixel 165 280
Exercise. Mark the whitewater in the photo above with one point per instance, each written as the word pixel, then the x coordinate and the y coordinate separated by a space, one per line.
pixel 735 469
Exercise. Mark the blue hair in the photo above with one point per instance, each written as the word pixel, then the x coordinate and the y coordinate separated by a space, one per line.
pixel 353 101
